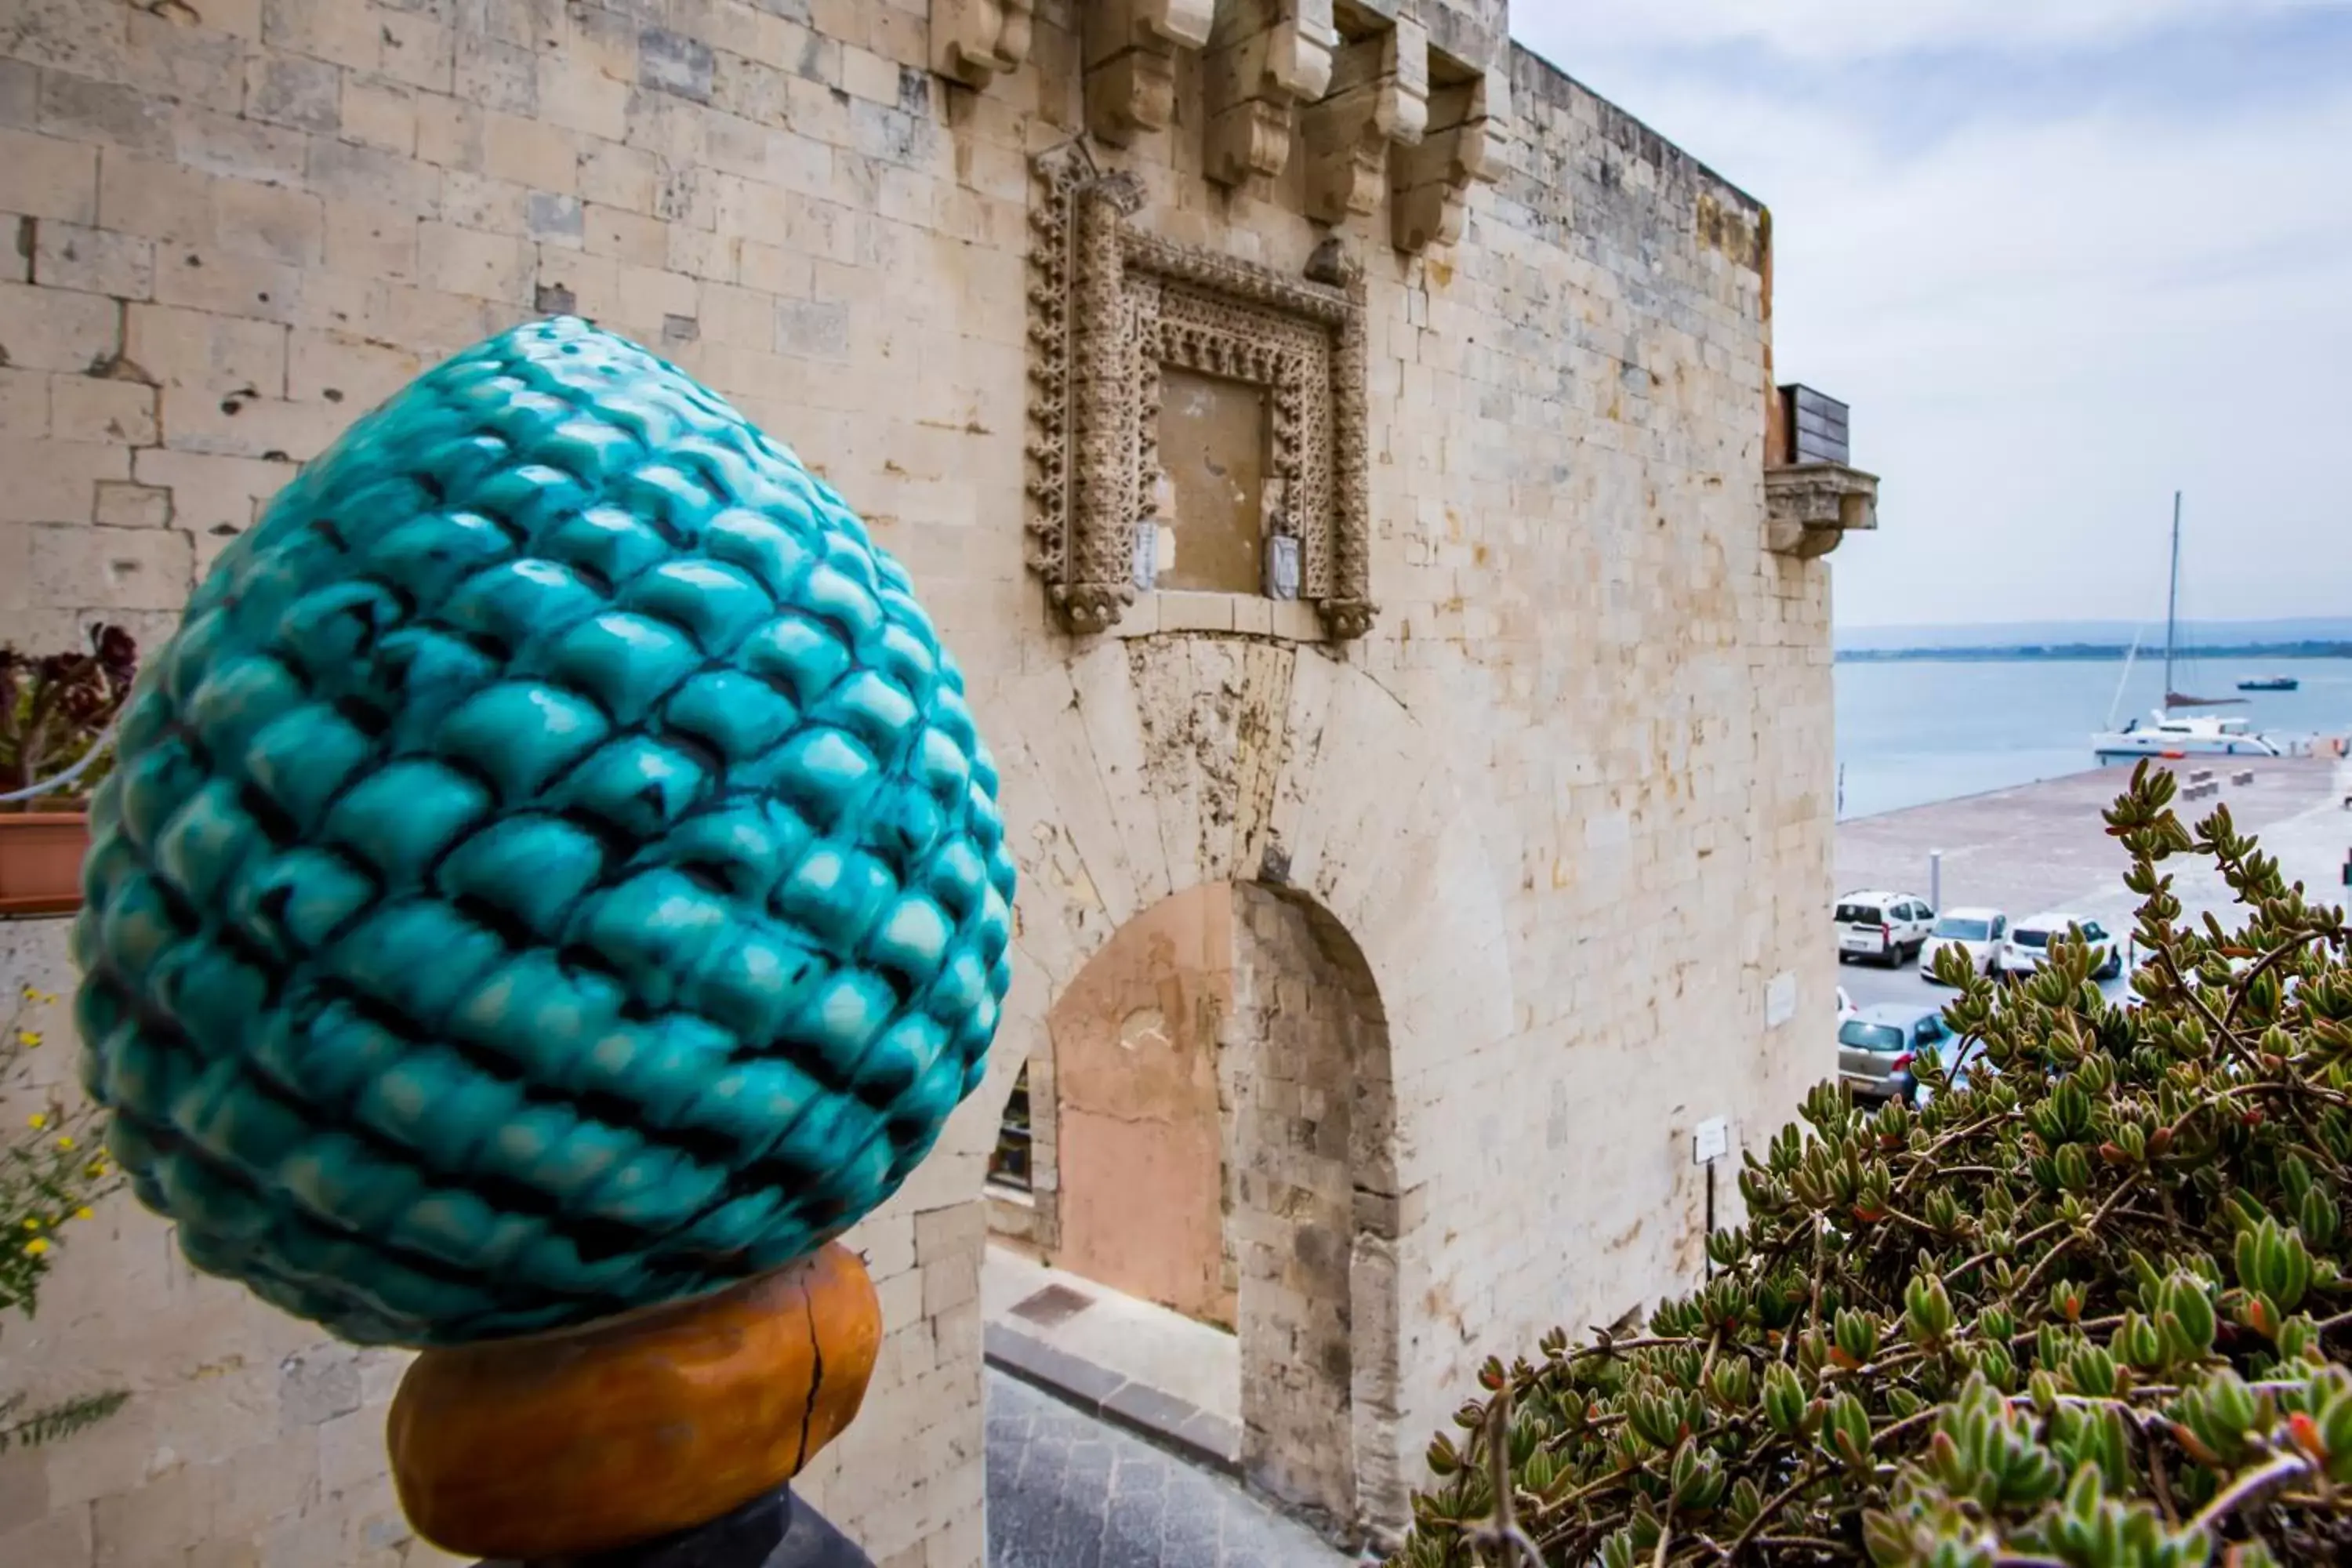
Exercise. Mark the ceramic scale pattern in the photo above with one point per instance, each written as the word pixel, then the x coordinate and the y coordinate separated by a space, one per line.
pixel 552 870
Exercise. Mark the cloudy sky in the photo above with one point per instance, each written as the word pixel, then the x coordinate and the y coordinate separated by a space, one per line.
pixel 2062 256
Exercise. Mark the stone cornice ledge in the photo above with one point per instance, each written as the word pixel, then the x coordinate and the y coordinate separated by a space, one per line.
pixel 1811 507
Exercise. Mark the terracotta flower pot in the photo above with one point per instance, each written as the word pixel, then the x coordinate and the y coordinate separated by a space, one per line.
pixel 40 862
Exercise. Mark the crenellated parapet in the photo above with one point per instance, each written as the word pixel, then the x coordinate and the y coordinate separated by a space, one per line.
pixel 1409 95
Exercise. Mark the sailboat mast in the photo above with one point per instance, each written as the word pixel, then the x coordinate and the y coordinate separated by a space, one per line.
pixel 2172 603
pixel 2130 658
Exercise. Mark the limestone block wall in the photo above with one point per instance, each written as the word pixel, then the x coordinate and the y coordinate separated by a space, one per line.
pixel 1305 1064
pixel 236 227
pixel 1570 799
pixel 249 1438
pixel 1572 796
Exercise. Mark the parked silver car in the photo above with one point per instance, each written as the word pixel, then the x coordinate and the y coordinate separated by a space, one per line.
pixel 1963 1065
pixel 1876 1044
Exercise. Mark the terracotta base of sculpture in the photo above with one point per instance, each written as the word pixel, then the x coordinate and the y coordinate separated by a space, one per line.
pixel 644 1431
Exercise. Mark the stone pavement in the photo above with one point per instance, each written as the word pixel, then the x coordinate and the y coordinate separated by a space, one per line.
pixel 2042 845
pixel 1137 1365
pixel 1066 1490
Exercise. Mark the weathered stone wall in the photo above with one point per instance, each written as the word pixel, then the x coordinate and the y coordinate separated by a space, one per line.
pixel 1306 1058
pixel 248 1438
pixel 1570 800
pixel 1136 1129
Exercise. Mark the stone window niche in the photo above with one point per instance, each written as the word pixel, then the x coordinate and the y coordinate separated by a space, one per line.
pixel 1215 445
pixel 1258 462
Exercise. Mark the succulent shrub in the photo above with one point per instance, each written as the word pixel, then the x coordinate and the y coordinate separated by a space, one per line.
pixel 2090 1308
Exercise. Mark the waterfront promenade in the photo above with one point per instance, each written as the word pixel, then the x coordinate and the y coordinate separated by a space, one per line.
pixel 2044 847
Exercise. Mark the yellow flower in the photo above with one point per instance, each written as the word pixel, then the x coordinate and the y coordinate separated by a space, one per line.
pixel 32 1224
pixel 29 1038
pixel 65 1142
pixel 37 1122
pixel 83 1213
pixel 37 1247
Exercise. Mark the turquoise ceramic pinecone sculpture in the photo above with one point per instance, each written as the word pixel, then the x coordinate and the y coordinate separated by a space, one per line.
pixel 552 870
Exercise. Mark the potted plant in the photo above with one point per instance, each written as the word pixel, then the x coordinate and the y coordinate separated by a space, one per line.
pixel 56 715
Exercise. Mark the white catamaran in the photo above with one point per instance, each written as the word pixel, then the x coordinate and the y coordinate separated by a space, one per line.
pixel 2166 733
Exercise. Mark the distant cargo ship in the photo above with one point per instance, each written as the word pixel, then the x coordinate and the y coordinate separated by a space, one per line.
pixel 2271 683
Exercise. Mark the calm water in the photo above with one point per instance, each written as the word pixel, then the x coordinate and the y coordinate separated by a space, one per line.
pixel 1910 733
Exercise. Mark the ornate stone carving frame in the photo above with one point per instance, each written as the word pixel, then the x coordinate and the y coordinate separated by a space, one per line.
pixel 1109 306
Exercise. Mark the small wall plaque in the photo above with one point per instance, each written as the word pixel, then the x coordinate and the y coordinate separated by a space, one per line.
pixel 1710 1140
pixel 1147 555
pixel 1282 567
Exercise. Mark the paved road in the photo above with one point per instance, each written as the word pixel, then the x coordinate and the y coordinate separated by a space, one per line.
pixel 1067 1492
pixel 2043 847
pixel 2056 856
pixel 1868 984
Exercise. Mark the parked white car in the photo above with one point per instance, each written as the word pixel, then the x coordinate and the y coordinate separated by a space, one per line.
pixel 1982 934
pixel 2030 940
pixel 1888 926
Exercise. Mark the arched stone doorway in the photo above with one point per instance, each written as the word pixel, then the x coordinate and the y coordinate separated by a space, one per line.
pixel 1136 1128
pixel 1217 1137
pixel 1140 769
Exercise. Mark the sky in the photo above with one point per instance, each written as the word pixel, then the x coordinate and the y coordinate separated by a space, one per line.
pixel 2062 257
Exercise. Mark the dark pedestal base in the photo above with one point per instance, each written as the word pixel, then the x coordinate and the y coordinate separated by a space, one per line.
pixel 776 1531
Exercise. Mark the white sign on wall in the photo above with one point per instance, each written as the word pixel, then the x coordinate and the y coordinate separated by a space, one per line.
pixel 1711 1140
pixel 1779 1000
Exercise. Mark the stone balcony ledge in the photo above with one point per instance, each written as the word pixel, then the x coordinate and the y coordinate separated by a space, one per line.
pixel 1811 507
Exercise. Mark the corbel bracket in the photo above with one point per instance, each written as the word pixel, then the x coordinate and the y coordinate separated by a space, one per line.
pixel 1130 55
pixel 1265 58
pixel 975 41
pixel 1469 126
pixel 1379 97
pixel 1811 507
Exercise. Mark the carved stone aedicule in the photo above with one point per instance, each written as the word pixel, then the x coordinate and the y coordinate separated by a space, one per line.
pixel 1110 308
pixel 1811 507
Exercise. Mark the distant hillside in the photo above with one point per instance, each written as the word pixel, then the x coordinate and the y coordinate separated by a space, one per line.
pixel 2209 638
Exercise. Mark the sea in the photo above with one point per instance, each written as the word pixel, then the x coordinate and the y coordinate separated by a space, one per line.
pixel 1913 732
